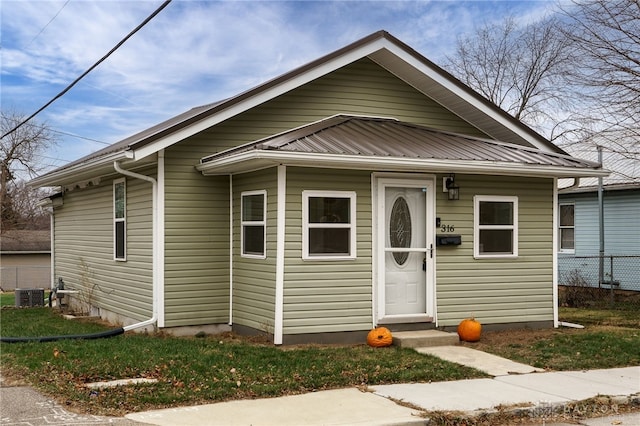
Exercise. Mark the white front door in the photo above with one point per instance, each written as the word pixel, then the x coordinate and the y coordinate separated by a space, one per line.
pixel 405 227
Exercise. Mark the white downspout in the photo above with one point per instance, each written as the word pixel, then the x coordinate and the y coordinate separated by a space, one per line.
pixel 280 251
pixel 154 232
pixel 52 254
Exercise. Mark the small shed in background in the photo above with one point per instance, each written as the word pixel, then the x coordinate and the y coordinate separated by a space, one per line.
pixel 25 259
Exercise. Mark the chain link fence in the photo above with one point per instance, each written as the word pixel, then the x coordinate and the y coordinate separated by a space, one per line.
pixel 599 281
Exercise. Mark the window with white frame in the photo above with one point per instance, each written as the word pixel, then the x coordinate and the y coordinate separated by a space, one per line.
pixel 567 228
pixel 495 226
pixel 254 224
pixel 329 225
pixel 120 219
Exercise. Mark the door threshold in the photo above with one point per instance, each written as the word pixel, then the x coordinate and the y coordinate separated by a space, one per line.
pixel 405 319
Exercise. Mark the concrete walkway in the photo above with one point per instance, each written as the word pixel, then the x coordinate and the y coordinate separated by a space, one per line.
pixel 400 404
pixel 491 364
pixel 409 404
pixel 538 390
pixel 537 393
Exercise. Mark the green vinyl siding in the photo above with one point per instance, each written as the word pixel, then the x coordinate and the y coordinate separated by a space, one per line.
pixel 254 279
pixel 361 88
pixel 84 248
pixel 325 295
pixel 497 290
pixel 197 207
pixel 196 240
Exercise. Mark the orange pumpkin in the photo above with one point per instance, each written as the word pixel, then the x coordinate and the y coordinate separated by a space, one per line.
pixel 379 337
pixel 469 330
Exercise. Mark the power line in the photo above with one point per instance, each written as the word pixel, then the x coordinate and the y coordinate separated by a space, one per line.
pixel 79 137
pixel 49 129
pixel 116 47
pixel 50 21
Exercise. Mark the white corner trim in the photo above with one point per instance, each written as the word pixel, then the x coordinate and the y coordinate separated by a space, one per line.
pixel 280 246
pixel 230 249
pixel 555 243
pixel 159 240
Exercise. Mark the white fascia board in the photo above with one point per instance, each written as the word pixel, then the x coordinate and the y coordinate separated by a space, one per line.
pixel 252 160
pixel 260 98
pixel 79 171
pixel 464 95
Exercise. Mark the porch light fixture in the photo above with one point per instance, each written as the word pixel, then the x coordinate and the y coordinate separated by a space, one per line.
pixel 453 190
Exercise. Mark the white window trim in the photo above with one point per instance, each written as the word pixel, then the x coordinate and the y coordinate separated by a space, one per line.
pixel 122 219
pixel 560 227
pixel 351 195
pixel 262 223
pixel 477 227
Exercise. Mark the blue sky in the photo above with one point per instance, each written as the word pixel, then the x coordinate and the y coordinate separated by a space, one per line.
pixel 194 53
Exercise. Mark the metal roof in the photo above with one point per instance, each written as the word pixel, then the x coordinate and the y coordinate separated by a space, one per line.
pixel 371 137
pixel 25 241
pixel 381 47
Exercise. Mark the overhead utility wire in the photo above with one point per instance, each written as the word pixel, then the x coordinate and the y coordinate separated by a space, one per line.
pixel 58 131
pixel 116 47
pixel 50 21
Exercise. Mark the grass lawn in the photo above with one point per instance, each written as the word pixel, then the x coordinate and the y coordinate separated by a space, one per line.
pixel 194 370
pixel 611 338
pixel 7 299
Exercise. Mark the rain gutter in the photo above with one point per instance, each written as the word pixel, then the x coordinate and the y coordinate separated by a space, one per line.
pixel 72 173
pixel 256 159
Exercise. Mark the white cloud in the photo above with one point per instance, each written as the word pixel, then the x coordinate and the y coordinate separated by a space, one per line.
pixel 192 53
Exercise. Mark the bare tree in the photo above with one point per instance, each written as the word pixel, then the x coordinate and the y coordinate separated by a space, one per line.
pixel 520 69
pixel 606 34
pixel 19 153
pixel 26 214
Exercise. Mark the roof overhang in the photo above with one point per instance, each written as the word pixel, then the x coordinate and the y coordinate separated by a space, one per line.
pixel 260 159
pixel 79 173
pixel 384 144
pixel 608 187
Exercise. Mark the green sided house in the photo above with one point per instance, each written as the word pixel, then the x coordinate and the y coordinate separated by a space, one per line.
pixel 366 188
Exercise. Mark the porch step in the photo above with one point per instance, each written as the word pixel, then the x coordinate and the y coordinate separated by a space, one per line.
pixel 424 338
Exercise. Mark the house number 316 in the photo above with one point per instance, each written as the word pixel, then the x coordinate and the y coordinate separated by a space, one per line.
pixel 447 228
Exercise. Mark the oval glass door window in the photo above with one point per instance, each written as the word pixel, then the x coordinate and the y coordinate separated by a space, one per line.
pixel 400 229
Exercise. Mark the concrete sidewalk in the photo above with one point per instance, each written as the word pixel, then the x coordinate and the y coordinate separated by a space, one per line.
pixel 536 389
pixel 538 392
pixel 401 404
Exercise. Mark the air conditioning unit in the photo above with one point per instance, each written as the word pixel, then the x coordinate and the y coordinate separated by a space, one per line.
pixel 28 297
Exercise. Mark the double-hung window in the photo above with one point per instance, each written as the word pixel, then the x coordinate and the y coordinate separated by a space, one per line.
pixel 329 225
pixel 567 228
pixel 120 219
pixel 254 224
pixel 495 226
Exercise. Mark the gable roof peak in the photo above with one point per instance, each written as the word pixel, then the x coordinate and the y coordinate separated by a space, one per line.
pixel 381 47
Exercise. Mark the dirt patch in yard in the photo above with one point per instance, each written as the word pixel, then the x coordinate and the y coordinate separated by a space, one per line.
pixel 511 341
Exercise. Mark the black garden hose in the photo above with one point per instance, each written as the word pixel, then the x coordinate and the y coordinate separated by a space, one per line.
pixel 42 339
